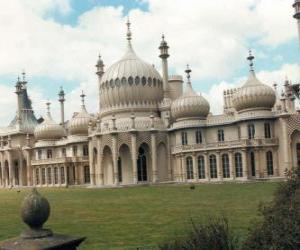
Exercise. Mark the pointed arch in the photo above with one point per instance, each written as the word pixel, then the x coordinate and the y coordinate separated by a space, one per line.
pixel 108 174
pixel 125 169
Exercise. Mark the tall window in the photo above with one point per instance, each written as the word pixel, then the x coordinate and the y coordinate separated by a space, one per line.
pixel 87 178
pixel 238 165
pixel 43 176
pixel 49 154
pixel 225 166
pixel 39 154
pixel 269 157
pixel 198 135
pixel 74 150
pixel 55 175
pixel 189 168
pixel 201 167
pixel 252 163
pixel 213 166
pixel 267 130
pixel 62 175
pixel 184 140
pixel 120 169
pixel 220 135
pixel 63 152
pixel 251 131
pixel 142 165
pixel 37 176
pixel 49 177
pixel 85 150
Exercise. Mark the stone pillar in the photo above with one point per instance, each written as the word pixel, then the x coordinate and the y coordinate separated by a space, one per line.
pixel 11 171
pixel 3 169
pixel 231 165
pixel 34 177
pixel 275 162
pixel 66 175
pixel 99 162
pixel 245 163
pixel 257 163
pixel 206 163
pixel 195 168
pixel 170 171
pixel 219 166
pixel 59 174
pixel 46 176
pixel 286 150
pixel 52 176
pixel 134 157
pixel 29 168
pixel 154 157
pixel 183 169
pixel 91 163
pixel 21 166
pixel 40 176
pixel 115 158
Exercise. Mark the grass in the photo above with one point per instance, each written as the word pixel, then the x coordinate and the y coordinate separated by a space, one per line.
pixel 128 218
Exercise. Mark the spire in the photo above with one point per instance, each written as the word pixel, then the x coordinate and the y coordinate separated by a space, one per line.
pixel 82 98
pixel 100 66
pixel 129 34
pixel 61 95
pixel 24 75
pixel 188 77
pixel 48 103
pixel 163 48
pixel 250 58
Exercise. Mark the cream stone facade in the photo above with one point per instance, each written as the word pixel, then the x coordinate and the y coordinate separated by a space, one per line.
pixel 152 129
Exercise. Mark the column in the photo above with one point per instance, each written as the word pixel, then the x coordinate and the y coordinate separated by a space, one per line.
pixel 3 169
pixel 46 176
pixel 115 158
pixel 183 169
pixel 40 176
pixel 275 162
pixel 52 176
pixel 257 163
pixel 195 168
pixel 154 157
pixel 66 175
pixel 91 163
pixel 134 157
pixel 99 162
pixel 286 145
pixel 219 166
pixel 34 177
pixel 29 168
pixel 170 171
pixel 206 163
pixel 231 165
pixel 245 163
pixel 59 174
pixel 10 168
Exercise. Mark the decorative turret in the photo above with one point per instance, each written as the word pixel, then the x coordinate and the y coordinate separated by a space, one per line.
pixel 296 6
pixel 254 95
pixel 164 56
pixel 61 99
pixel 190 105
pixel 100 67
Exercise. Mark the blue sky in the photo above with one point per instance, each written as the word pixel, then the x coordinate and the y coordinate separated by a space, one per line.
pixel 57 43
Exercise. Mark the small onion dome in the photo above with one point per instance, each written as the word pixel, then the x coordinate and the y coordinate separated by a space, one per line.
pixel 80 122
pixel 48 129
pixel 190 104
pixel 254 94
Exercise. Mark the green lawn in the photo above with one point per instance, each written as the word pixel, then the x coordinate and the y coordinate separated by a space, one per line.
pixel 127 218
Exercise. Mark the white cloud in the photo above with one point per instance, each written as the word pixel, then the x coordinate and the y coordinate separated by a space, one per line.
pixel 212 36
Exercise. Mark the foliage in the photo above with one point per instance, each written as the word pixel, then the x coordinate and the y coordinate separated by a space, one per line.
pixel 280 228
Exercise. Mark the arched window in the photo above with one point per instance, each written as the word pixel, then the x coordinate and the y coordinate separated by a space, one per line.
pixel 144 81
pixel 252 163
pixel 150 81
pixel 37 176
pixel 201 167
pixel 62 175
pixel 117 82
pixel 49 177
pixel 55 176
pixel 85 150
pixel 137 80
pixel 198 135
pixel 86 174
pixel 213 166
pixel 225 166
pixel 269 157
pixel 142 165
pixel 251 131
pixel 74 148
pixel 238 165
pixel 123 81
pixel 189 168
pixel 130 80
pixel 184 140
pixel 267 130
pixel 120 169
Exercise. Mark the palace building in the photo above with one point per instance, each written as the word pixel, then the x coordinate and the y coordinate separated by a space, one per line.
pixel 153 128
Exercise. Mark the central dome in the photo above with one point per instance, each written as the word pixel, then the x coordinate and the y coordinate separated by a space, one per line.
pixel 131 84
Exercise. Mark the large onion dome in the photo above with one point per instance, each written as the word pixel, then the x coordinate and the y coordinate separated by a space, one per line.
pixel 130 83
pixel 80 122
pixel 49 129
pixel 190 104
pixel 254 95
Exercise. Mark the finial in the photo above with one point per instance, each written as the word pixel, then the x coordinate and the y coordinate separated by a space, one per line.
pixel 163 37
pixel 128 30
pixel 24 75
pixel 250 58
pixel 48 103
pixel 188 73
pixel 82 97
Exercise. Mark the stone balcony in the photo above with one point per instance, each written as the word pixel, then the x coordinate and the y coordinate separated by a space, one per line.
pixel 60 160
pixel 243 143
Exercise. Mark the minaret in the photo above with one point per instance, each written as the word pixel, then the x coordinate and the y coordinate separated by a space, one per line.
pixel 82 99
pixel 164 56
pixel 296 6
pixel 61 99
pixel 19 96
pixel 100 71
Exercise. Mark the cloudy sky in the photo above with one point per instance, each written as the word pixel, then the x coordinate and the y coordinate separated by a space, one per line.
pixel 57 42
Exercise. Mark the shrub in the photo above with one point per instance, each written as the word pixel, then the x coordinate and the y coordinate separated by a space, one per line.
pixel 214 235
pixel 280 228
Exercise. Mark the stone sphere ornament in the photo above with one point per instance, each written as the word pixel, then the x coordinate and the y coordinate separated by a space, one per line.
pixel 35 211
